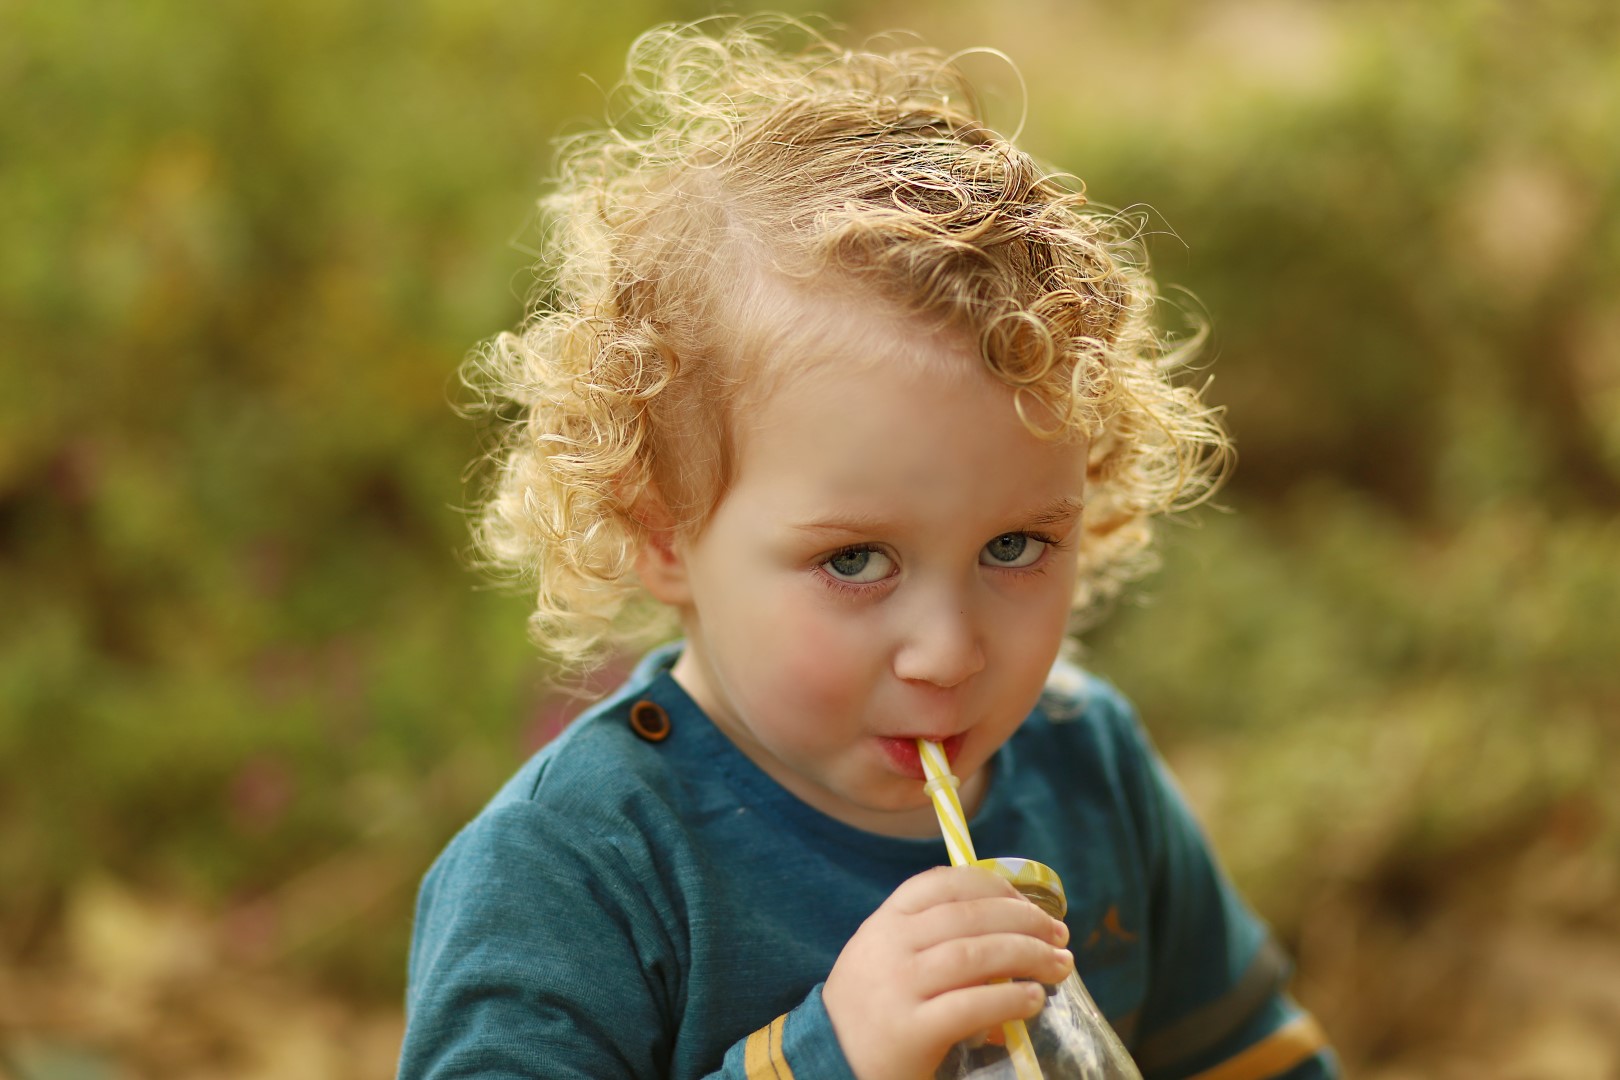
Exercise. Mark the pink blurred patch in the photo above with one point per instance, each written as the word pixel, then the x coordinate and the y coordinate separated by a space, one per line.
pixel 553 710
pixel 260 794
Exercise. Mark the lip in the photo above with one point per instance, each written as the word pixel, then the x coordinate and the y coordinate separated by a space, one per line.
pixel 903 757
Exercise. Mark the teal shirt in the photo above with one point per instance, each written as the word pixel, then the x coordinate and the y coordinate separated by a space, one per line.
pixel 627 908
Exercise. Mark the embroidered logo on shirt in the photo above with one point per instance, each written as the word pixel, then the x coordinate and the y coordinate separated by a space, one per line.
pixel 1109 938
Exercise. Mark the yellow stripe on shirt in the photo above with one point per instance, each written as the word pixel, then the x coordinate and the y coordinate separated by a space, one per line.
pixel 779 1060
pixel 763 1058
pixel 1276 1053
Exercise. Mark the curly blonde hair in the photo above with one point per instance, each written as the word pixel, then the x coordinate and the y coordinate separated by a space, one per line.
pixel 739 161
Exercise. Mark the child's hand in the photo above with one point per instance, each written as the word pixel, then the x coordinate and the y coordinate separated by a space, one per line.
pixel 915 978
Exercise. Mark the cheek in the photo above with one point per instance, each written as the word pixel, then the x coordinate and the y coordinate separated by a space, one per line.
pixel 1031 636
pixel 824 664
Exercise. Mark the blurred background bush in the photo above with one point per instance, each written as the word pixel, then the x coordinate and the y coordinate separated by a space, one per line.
pixel 247 689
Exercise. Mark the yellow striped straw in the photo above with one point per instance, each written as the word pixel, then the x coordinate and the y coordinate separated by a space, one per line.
pixel 941 788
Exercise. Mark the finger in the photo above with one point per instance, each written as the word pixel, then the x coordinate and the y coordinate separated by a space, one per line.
pixel 950 1018
pixel 969 961
pixel 990 915
pixel 945 884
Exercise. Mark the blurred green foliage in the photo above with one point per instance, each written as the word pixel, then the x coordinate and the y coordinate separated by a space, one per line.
pixel 247 244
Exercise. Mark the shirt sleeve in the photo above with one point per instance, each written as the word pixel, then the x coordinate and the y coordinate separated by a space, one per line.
pixel 535 957
pixel 798 1044
pixel 1217 1006
pixel 523 964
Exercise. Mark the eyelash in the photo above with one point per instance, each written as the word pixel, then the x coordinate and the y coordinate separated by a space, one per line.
pixel 850 588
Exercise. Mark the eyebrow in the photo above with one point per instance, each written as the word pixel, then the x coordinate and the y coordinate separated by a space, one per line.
pixel 1057 512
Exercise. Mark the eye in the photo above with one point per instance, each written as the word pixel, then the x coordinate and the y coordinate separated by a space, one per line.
pixel 1012 551
pixel 859 566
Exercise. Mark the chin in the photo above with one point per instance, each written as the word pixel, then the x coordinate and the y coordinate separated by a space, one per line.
pixel 898 802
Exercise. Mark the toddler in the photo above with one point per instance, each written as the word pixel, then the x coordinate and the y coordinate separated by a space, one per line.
pixel 839 382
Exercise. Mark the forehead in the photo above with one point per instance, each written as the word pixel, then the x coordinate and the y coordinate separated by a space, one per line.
pixel 872 415
pixel 784 333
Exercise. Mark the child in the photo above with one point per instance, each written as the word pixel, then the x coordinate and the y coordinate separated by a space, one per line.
pixel 828 372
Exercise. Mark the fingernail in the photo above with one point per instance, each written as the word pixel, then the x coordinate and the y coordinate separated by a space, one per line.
pixel 1061 933
pixel 1064 957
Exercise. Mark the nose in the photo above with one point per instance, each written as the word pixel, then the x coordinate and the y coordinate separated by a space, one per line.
pixel 941 645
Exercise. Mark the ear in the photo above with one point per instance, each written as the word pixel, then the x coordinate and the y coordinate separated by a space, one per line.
pixel 661 562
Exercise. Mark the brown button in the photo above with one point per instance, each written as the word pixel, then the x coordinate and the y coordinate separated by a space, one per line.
pixel 649 720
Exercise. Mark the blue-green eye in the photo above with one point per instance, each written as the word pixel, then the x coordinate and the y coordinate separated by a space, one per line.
pixel 859 566
pixel 1012 550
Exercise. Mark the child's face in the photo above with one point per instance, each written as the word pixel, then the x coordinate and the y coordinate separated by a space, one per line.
pixel 895 559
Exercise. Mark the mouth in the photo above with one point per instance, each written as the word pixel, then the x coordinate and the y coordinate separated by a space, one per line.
pixel 903 757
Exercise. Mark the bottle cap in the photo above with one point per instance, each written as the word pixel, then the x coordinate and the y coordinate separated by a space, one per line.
pixel 1035 880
